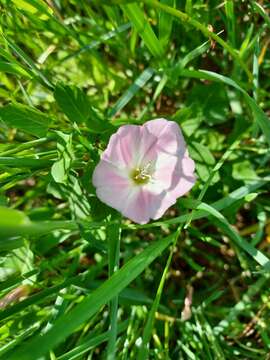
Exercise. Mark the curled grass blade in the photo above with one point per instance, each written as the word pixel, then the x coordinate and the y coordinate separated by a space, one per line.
pixel 260 10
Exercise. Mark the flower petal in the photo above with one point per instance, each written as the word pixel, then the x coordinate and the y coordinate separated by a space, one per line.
pixel 169 136
pixel 123 145
pixel 107 174
pixel 182 181
pixel 142 206
pixel 165 166
pixel 116 196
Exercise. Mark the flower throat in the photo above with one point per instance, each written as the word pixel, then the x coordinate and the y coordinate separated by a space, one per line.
pixel 141 175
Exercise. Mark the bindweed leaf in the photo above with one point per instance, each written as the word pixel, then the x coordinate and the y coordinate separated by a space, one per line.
pixel 60 168
pixel 11 217
pixel 73 102
pixel 204 161
pixel 76 105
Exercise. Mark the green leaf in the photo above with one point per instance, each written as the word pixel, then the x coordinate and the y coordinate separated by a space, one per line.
pixel 60 168
pixel 260 117
pixel 28 61
pixel 66 325
pixel 73 102
pixel 230 14
pixel 17 162
pixel 18 261
pixel 76 106
pixel 114 238
pixel 204 161
pixel 10 228
pixel 25 118
pixel 260 9
pixel 243 170
pixel 10 217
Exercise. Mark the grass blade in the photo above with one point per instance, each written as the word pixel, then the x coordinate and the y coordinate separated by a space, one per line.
pixel 165 24
pixel 142 26
pixel 114 237
pixel 25 118
pixel 131 91
pixel 64 326
pixel 229 9
pixel 259 115
pixel 186 19
pixel 222 222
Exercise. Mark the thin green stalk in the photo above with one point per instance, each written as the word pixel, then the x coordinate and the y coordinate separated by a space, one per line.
pixel 205 31
pixel 212 174
pixel 114 235
pixel 151 318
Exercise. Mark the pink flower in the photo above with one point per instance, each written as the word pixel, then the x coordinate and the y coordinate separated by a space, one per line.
pixel 144 170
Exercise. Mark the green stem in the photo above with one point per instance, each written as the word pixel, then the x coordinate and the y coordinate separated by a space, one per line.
pixel 114 235
pixel 199 26
pixel 147 333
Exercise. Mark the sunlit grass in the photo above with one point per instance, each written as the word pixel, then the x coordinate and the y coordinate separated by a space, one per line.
pixel 191 285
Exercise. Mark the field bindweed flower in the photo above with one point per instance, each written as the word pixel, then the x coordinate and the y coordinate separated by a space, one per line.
pixel 144 169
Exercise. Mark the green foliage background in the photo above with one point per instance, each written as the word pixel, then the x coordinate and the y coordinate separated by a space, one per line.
pixel 78 282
